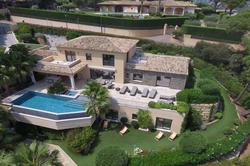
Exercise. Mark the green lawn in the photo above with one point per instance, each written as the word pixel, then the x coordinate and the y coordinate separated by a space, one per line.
pixel 134 138
pixel 145 140
pixel 215 131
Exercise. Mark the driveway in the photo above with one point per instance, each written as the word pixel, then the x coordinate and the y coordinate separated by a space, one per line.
pixel 7 37
pixel 7 40
pixel 188 41
pixel 54 40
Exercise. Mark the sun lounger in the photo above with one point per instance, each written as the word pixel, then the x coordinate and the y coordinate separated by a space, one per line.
pixel 145 92
pixel 123 90
pixel 133 91
pixel 109 85
pixel 123 130
pixel 167 97
pixel 159 136
pixel 152 93
pixel 172 136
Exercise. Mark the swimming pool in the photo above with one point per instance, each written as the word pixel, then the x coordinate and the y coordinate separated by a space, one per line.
pixel 49 103
pixel 71 93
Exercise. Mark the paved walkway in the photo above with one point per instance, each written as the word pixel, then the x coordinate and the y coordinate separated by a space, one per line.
pixel 7 40
pixel 54 40
pixel 62 156
pixel 246 152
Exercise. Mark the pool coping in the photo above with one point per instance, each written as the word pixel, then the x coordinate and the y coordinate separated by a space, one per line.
pixel 48 112
pixel 34 109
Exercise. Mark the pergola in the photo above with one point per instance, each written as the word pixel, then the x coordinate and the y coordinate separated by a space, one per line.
pixel 50 66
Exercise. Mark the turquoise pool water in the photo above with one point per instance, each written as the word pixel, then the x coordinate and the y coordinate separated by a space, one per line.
pixel 50 103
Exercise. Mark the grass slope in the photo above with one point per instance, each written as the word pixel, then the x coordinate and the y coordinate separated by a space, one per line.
pixel 145 140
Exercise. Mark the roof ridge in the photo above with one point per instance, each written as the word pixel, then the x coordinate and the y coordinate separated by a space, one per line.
pixel 114 44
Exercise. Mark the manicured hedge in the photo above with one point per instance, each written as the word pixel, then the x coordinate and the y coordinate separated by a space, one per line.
pixel 212 33
pixel 181 107
pixel 214 151
pixel 195 96
pixel 91 19
pixel 153 104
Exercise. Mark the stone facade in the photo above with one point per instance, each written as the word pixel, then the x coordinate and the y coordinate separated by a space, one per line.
pixel 150 78
pixel 177 118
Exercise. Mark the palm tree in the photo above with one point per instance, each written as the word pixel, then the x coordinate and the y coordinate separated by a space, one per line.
pixel 36 154
pixel 232 4
pixel 22 60
pixel 6 77
pixel 98 102
pixel 6 159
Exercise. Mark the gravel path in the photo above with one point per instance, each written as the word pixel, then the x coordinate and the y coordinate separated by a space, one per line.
pixel 62 156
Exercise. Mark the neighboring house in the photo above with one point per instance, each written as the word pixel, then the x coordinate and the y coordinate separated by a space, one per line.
pixel 120 62
pixel 203 1
pixel 167 7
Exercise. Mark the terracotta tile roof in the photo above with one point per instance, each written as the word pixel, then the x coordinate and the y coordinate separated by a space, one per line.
pixel 43 53
pixel 50 68
pixel 101 43
pixel 162 63
pixel 124 2
pixel 170 3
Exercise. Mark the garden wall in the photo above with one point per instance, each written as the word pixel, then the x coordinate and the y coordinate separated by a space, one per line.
pixel 89 28
pixel 98 20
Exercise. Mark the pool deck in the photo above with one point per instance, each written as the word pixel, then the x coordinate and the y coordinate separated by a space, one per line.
pixel 137 101
pixel 116 98
pixel 40 86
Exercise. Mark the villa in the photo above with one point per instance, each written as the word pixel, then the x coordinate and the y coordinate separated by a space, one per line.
pixel 167 7
pixel 133 78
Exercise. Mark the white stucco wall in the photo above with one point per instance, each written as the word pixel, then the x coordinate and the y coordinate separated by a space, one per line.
pixel 130 9
pixel 190 10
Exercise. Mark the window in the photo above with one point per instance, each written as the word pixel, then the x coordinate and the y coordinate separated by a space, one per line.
pixel 158 78
pixel 70 56
pixel 108 60
pixel 134 116
pixel 112 115
pixel 127 75
pixel 164 124
pixel 137 77
pixel 166 77
pixel 88 57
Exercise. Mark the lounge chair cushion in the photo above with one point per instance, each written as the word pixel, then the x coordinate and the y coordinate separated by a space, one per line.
pixel 123 90
pixel 172 136
pixel 145 92
pixel 152 93
pixel 133 91
pixel 123 130
pixel 159 135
